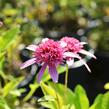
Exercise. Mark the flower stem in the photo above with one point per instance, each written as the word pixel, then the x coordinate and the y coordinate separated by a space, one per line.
pixel 66 77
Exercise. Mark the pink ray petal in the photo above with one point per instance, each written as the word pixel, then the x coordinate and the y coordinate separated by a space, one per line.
pixel 53 72
pixel 81 60
pixel 31 47
pixel 87 53
pixel 73 55
pixel 83 43
pixel 41 72
pixel 70 62
pixel 28 63
pixel 45 39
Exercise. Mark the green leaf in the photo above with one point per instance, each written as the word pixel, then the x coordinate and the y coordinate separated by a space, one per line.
pixel 68 107
pixel 11 86
pixel 47 90
pixel 66 94
pixel 49 105
pixel 3 104
pixel 7 38
pixel 97 102
pixel 47 101
pixel 1 62
pixel 81 100
pixel 101 102
pixel 33 88
pixel 105 101
pixel 46 98
pixel 1 55
pixel 15 92
pixel 2 74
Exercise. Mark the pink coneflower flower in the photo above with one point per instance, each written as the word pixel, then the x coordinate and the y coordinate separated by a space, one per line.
pixel 72 47
pixel 49 54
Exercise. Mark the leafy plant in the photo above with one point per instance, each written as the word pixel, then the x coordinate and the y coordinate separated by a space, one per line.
pixel 57 97
pixel 8 91
pixel 6 39
pixel 101 102
pixel 9 94
pixel 63 98
pixel 3 104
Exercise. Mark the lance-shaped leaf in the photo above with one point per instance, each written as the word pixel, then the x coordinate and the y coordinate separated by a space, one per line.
pixel 81 100
pixel 8 37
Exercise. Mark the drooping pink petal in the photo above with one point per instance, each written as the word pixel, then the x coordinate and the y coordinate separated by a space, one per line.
pixel 85 65
pixel 83 43
pixel 73 55
pixel 87 53
pixel 31 47
pixel 70 63
pixel 28 63
pixel 53 72
pixel 41 72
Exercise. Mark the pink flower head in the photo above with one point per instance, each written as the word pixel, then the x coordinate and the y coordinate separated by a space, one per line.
pixel 48 53
pixel 72 47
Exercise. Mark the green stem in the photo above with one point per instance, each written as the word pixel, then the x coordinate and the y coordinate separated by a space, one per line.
pixel 66 77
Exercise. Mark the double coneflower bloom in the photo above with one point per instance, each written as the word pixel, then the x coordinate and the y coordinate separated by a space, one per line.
pixel 50 53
